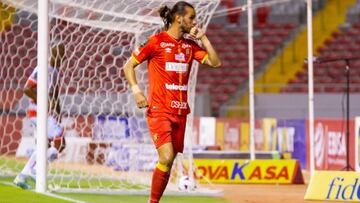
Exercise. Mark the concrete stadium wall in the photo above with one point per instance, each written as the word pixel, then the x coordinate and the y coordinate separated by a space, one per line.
pixel 289 106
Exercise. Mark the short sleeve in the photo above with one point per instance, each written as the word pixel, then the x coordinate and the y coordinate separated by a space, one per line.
pixel 144 51
pixel 199 53
pixel 32 80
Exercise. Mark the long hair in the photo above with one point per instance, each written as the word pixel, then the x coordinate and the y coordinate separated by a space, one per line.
pixel 168 14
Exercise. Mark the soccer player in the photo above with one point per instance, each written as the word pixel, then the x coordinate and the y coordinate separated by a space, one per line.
pixel 55 131
pixel 169 54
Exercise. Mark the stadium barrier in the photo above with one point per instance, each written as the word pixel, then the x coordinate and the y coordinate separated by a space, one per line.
pixel 341 186
pixel 244 171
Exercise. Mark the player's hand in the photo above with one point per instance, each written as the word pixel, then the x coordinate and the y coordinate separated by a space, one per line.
pixel 196 33
pixel 141 100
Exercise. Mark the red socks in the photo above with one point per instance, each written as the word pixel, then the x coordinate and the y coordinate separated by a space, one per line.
pixel 158 185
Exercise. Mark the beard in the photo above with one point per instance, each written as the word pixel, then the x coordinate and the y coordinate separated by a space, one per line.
pixel 184 28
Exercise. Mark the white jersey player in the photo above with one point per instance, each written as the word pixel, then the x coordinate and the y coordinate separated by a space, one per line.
pixel 55 131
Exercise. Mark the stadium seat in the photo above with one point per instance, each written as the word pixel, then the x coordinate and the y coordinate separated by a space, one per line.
pixel 230 90
pixel 262 14
pixel 221 98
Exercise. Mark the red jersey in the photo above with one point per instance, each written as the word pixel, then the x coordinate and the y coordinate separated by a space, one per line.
pixel 169 66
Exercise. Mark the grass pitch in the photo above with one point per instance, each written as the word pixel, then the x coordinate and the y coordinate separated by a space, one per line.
pixel 9 193
pixel 12 194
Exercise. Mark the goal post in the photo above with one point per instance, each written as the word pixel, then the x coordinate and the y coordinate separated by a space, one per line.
pixel 108 147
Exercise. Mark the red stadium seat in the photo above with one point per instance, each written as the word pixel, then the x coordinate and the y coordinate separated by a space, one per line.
pixel 230 89
pixel 221 98
pixel 215 26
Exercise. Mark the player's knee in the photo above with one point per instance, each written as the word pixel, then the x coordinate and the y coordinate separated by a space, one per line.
pixel 167 159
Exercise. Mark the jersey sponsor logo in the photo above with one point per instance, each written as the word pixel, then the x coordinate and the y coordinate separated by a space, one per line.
pixel 180 57
pixel 166 44
pixel 184 46
pixel 176 87
pixel 168 50
pixel 178 105
pixel 177 67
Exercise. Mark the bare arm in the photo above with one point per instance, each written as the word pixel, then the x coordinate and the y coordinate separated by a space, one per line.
pixel 129 70
pixel 213 59
pixel 30 92
pixel 54 103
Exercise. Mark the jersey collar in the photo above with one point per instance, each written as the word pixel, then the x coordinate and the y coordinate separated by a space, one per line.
pixel 173 39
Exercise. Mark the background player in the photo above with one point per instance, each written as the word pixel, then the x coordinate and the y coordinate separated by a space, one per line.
pixel 55 131
pixel 169 55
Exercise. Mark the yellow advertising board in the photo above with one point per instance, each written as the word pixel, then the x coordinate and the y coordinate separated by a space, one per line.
pixel 269 126
pixel 244 136
pixel 219 136
pixel 245 171
pixel 341 186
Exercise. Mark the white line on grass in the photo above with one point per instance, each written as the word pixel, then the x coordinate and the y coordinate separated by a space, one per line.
pixel 63 198
pixel 47 194
pixel 7 183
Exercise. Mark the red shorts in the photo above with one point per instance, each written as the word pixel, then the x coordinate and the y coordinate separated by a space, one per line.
pixel 166 128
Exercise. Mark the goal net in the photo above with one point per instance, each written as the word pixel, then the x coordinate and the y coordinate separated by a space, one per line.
pixel 108 147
